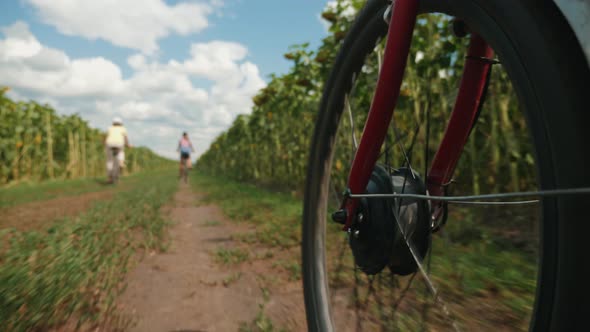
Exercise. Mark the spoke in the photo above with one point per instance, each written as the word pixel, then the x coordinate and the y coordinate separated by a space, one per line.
pixel 534 201
pixel 410 167
pixel 397 140
pixel 334 195
pixel 404 292
pixel 370 291
pixel 380 304
pixel 379 56
pixel 427 140
pixel 357 300
pixel 408 152
pixel 340 264
pixel 428 265
pixel 425 306
pixel 407 159
pixel 348 108
pixel 472 198
pixel 351 118
pixel 411 148
pixel 387 155
pixel 427 281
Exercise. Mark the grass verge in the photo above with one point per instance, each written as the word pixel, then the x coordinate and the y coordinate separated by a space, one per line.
pixel 75 269
pixel 277 216
pixel 27 192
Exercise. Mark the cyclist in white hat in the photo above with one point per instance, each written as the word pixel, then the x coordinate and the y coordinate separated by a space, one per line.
pixel 116 138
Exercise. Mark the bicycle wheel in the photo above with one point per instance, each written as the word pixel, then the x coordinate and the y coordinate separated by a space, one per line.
pixel 115 171
pixel 484 278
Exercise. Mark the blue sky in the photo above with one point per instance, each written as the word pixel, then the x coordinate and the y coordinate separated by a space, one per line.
pixel 164 66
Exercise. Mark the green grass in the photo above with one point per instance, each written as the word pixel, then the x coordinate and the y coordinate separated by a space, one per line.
pixel 30 192
pixel 265 255
pixel 211 223
pixel 229 256
pixel 293 267
pixel 486 270
pixel 262 322
pixel 231 278
pixel 76 268
pixel 277 216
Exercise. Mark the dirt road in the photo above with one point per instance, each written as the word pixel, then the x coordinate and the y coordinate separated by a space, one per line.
pixel 188 289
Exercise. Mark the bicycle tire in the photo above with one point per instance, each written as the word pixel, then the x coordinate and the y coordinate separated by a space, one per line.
pixel 115 171
pixel 543 58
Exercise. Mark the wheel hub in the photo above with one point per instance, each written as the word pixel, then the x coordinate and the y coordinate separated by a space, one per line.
pixel 377 237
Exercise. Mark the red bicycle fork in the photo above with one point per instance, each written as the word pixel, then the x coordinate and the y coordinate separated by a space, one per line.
pixel 397 48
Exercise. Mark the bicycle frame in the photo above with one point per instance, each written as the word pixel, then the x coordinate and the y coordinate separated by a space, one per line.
pixel 476 69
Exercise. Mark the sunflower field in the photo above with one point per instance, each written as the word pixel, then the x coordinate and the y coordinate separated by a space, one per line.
pixel 270 146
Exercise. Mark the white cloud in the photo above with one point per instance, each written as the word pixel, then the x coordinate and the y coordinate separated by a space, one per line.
pixel 137 61
pixel 215 60
pixel 19 42
pixel 158 101
pixel 25 63
pixel 136 24
pixel 134 110
pixel 48 59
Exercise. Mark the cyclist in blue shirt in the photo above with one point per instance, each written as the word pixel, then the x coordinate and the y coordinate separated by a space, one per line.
pixel 185 147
